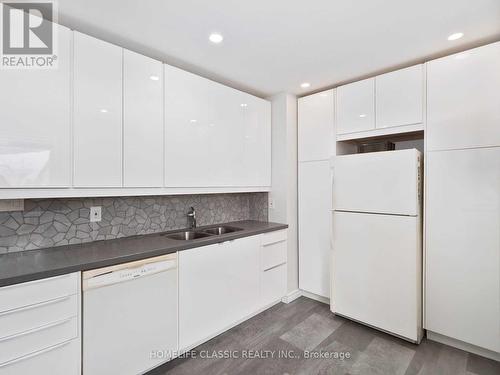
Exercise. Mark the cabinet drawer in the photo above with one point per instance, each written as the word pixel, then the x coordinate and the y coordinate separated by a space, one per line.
pixel 24 343
pixel 60 359
pixel 32 316
pixel 274 254
pixel 273 284
pixel 30 293
pixel 273 237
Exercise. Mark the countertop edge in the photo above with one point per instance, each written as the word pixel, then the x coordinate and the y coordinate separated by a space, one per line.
pixel 62 270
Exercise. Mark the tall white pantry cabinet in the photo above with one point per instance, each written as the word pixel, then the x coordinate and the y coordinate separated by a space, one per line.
pixel 316 146
pixel 463 198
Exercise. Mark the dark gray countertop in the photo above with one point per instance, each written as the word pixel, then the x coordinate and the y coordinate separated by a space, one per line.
pixel 38 264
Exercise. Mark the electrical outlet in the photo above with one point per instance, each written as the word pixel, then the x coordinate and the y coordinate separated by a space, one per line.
pixel 95 214
pixel 271 203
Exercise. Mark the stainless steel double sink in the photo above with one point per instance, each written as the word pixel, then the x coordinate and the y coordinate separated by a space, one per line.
pixel 194 234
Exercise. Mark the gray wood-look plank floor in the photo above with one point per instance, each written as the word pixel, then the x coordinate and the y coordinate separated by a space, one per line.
pixel 287 330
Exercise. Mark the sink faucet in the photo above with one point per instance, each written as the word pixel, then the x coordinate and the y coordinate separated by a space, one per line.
pixel 191 215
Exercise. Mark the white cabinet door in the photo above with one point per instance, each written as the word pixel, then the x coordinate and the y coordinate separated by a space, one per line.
pixel 399 97
pixel 356 107
pixel 218 286
pixel 273 285
pixel 315 192
pixel 203 126
pixel 377 265
pixel 142 121
pixel 35 123
pixel 256 141
pixel 315 126
pixel 463 99
pixel 463 246
pixel 97 113
pixel 60 359
pixel 215 136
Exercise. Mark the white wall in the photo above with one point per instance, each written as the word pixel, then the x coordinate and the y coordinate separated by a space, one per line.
pixel 284 176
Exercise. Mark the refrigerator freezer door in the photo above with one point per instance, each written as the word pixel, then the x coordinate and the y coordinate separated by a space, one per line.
pixel 376 276
pixel 379 182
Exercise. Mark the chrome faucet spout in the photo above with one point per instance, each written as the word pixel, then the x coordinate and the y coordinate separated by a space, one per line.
pixel 191 215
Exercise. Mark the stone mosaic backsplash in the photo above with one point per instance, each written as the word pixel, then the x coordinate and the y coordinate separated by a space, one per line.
pixel 56 222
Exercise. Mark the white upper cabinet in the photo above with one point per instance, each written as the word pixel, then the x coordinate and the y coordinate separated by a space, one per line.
pixel 215 136
pixel 35 122
pixel 256 141
pixel 315 126
pixel 97 113
pixel 463 99
pixel 399 97
pixel 142 121
pixel 356 107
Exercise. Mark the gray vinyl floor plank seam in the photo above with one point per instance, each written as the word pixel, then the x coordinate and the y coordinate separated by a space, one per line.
pixel 305 324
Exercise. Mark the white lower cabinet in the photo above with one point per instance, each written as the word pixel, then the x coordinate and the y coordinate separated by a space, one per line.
pixel 218 286
pixel 463 246
pixel 40 327
pixel 223 284
pixel 274 268
pixel 55 360
pixel 273 284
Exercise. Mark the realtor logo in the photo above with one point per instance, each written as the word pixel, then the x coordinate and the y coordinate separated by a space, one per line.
pixel 28 35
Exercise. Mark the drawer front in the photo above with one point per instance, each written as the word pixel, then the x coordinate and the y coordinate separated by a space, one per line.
pixel 33 316
pixel 274 284
pixel 272 237
pixel 274 254
pixel 30 293
pixel 24 343
pixel 60 359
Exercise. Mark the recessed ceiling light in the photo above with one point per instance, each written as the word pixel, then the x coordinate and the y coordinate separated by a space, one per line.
pixel 243 105
pixel 362 115
pixel 104 110
pixel 154 78
pixel 216 38
pixel 455 36
pixel 305 85
pixel 192 121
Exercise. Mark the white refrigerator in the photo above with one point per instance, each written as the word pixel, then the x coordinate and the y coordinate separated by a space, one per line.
pixel 377 241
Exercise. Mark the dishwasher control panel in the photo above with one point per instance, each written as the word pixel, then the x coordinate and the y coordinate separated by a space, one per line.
pixel 114 276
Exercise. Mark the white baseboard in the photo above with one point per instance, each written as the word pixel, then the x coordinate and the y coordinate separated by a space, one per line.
pixel 463 345
pixel 291 296
pixel 315 297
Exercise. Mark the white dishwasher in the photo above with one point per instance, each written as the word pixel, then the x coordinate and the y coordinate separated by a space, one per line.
pixel 129 316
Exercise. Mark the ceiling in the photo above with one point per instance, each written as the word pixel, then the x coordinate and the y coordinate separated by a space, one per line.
pixel 272 46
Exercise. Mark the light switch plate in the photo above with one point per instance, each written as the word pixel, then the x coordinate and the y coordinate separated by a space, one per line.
pixel 95 214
